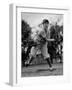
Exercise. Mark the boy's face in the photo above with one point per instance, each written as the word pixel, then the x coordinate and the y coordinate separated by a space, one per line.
pixel 45 25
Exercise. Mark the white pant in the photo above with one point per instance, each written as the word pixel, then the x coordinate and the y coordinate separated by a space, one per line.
pixel 44 51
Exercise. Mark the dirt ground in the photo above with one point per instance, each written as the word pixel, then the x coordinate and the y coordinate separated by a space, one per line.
pixel 42 70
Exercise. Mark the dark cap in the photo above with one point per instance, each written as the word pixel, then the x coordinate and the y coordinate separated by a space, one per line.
pixel 45 21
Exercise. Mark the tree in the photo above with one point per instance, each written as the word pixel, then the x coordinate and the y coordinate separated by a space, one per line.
pixel 25 37
pixel 53 46
pixel 26 31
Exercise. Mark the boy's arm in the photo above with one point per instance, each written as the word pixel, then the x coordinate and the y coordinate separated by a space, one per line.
pixel 43 38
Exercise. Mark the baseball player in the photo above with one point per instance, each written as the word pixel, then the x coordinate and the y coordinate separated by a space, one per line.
pixel 42 39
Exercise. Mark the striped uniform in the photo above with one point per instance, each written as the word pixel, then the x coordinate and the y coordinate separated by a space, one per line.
pixel 44 48
pixel 43 44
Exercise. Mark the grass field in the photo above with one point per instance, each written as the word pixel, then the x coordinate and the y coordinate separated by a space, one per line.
pixel 42 70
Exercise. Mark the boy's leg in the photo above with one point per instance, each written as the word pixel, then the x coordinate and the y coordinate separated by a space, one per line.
pixel 48 61
pixel 32 55
pixel 31 59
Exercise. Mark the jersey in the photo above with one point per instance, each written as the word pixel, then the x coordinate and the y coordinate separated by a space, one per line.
pixel 41 39
pixel 44 48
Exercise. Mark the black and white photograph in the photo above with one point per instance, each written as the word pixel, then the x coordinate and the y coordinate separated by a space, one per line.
pixel 41 44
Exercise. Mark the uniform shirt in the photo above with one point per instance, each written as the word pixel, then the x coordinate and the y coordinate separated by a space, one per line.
pixel 43 45
pixel 44 48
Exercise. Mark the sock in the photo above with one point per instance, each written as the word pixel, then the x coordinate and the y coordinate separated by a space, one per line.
pixel 48 61
pixel 31 59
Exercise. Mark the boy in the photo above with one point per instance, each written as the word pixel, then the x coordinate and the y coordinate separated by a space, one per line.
pixel 42 39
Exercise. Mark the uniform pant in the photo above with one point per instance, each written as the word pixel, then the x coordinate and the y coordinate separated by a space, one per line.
pixel 44 52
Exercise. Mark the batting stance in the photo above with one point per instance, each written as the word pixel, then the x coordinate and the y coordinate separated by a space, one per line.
pixel 42 39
